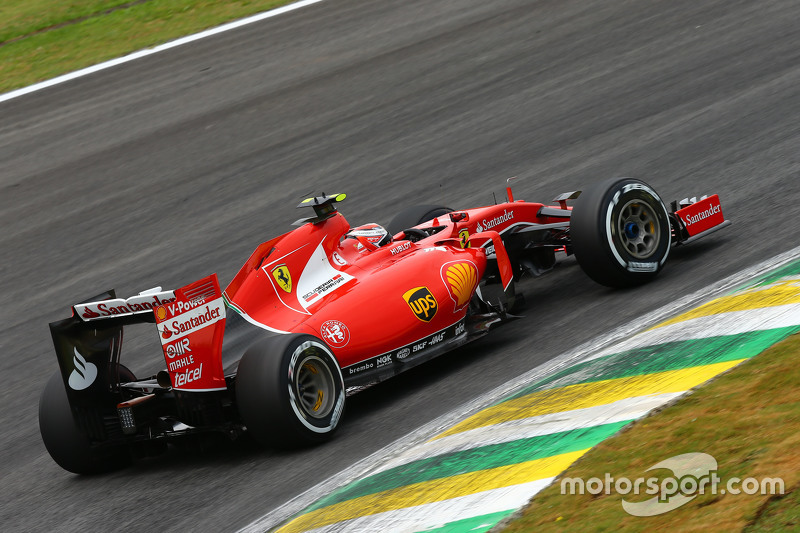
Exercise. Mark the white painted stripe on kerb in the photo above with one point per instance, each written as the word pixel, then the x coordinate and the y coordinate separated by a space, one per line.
pixel 435 515
pixel 731 323
pixel 536 426
pixel 150 51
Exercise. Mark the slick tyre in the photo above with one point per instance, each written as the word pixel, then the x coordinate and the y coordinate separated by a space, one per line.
pixel 290 391
pixel 413 216
pixel 620 232
pixel 69 447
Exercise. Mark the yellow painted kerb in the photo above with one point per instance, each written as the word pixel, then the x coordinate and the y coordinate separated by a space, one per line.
pixel 783 292
pixel 583 395
pixel 434 491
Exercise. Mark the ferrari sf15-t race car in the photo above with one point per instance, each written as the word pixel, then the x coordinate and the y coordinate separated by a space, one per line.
pixel 328 309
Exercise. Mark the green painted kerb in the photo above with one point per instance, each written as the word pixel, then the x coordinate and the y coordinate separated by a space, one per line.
pixel 462 462
pixel 676 355
pixel 477 524
pixel 792 269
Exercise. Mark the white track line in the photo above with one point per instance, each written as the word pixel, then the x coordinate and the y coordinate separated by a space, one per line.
pixel 160 48
pixel 371 463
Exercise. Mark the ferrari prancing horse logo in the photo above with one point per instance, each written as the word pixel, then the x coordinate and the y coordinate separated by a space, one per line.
pixel 282 276
pixel 464 236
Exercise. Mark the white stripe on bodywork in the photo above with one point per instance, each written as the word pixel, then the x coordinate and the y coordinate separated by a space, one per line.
pixel 251 319
pixel 317 272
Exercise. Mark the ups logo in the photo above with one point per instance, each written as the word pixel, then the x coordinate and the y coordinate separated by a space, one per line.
pixel 422 303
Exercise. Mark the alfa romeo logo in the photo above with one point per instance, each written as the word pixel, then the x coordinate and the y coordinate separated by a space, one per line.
pixel 335 333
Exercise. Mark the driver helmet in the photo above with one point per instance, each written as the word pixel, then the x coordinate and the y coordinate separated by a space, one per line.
pixel 375 234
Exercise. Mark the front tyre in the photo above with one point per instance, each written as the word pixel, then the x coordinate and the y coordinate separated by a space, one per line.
pixel 290 391
pixel 620 232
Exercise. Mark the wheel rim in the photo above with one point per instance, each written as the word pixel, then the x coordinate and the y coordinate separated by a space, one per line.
pixel 315 386
pixel 639 229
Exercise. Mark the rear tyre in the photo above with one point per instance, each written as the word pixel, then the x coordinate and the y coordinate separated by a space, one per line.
pixel 620 232
pixel 413 216
pixel 65 442
pixel 290 391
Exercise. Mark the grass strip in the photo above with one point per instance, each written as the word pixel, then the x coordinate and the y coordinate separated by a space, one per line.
pixel 24 18
pixel 747 419
pixel 46 38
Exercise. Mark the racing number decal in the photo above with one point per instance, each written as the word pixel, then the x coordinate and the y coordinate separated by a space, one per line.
pixel 422 303
pixel 283 277
pixel 464 235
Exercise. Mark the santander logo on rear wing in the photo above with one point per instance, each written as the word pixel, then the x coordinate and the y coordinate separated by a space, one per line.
pixel 191 329
pixel 142 303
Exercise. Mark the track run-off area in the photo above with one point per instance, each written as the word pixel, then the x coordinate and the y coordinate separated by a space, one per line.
pixel 484 467
pixel 162 170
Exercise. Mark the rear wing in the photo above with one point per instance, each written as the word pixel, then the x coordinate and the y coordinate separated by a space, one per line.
pixel 191 330
pixel 88 345
pixel 107 305
pixel 190 323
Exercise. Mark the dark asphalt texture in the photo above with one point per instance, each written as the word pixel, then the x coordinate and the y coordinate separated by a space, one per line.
pixel 166 169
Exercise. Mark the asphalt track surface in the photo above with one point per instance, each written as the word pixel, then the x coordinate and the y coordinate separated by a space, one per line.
pixel 165 169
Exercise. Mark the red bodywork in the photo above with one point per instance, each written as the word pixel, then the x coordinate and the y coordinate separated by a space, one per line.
pixel 701 216
pixel 364 302
pixel 191 330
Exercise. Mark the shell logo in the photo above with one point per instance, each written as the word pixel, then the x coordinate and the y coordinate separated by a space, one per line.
pixel 461 278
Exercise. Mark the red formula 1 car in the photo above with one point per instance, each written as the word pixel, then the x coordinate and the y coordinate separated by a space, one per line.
pixel 328 308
